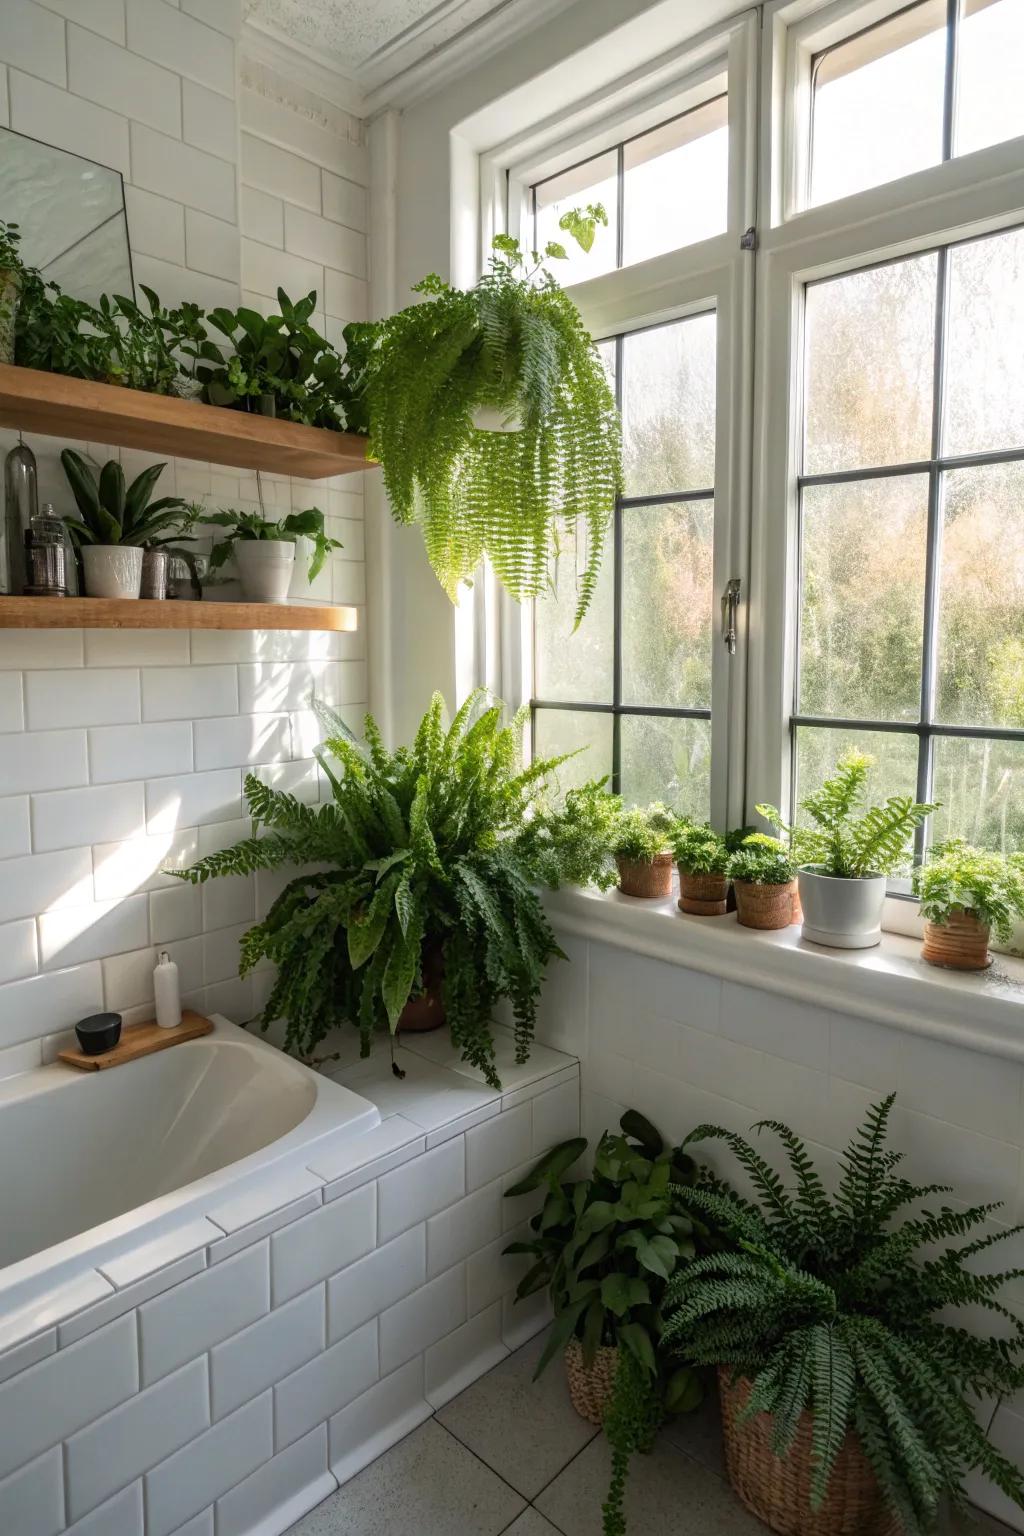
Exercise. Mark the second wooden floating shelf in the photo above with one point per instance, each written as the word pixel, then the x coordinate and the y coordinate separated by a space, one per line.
pixel 128 418
pixel 143 613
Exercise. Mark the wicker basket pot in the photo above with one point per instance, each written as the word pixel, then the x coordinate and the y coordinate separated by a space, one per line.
pixel 703 895
pixel 958 944
pixel 764 906
pixel 645 877
pixel 591 1389
pixel 779 1492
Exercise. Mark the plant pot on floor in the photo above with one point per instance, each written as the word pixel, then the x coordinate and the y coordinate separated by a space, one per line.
pixel 779 1492
pixel 703 895
pixel 112 570
pixel 591 1387
pixel 842 913
pixel 764 906
pixel 265 566
pixel 645 877
pixel 958 944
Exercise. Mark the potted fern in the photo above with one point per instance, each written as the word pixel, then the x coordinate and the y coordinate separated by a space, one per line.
pixel 703 858
pixel 117 523
pixel 640 843
pixel 966 895
pixel 763 879
pixel 847 853
pixel 423 885
pixel 848 1379
pixel 511 354
pixel 605 1248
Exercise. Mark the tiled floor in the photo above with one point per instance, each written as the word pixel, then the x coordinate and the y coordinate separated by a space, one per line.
pixel 510 1457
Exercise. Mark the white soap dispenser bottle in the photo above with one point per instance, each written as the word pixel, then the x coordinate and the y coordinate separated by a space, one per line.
pixel 167 992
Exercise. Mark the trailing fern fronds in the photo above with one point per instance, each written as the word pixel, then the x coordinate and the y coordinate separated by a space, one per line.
pixel 846 1307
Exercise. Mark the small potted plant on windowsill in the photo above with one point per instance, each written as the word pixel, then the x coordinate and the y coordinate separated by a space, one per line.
pixel 117 523
pixel 641 844
pixel 264 551
pixel 763 878
pixel 846 855
pixel 702 857
pixel 966 895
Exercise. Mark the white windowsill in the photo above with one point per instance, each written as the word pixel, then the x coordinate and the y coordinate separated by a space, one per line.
pixel 890 984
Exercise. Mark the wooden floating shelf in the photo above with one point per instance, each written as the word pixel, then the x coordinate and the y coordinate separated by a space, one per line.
pixel 140 1040
pixel 107 413
pixel 142 613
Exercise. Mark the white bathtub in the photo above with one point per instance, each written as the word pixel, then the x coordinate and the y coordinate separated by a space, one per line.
pixel 101 1163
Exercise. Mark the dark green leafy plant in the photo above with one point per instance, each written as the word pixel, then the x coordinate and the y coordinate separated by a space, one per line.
pixel 958 878
pixel 846 840
pixel 513 346
pixel 698 850
pixel 761 860
pixel 113 513
pixel 642 834
pixel 605 1248
pixel 421 863
pixel 251 525
pixel 10 242
pixel 146 346
pixel 279 361
pixel 568 843
pixel 847 1306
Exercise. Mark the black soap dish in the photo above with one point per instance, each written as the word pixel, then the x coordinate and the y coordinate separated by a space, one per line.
pixel 98 1033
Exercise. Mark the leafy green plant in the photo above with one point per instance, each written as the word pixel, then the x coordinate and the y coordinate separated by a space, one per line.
pixel 419 856
pixel 642 834
pixel 698 850
pixel 10 242
pixel 113 513
pixel 513 345
pixel 958 878
pixel 761 860
pixel 605 1248
pixel 279 361
pixel 252 525
pixel 848 1306
pixel 146 346
pixel 569 841
pixel 846 840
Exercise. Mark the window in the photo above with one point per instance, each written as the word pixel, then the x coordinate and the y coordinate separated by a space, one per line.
pixel 911 532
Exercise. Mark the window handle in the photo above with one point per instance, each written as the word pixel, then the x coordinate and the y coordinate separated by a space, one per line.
pixel 730 605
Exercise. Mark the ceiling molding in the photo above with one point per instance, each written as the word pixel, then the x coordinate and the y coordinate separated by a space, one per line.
pixel 264 44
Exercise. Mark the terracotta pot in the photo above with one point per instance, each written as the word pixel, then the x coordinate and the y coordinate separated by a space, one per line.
pixel 590 1389
pixel 426 1012
pixel 764 906
pixel 779 1492
pixel 645 877
pixel 703 895
pixel 958 944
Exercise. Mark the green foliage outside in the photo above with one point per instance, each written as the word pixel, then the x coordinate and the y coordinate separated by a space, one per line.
pixel 113 513
pixel 850 1305
pixel 958 878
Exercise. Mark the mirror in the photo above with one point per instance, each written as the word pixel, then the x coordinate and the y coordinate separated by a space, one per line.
pixel 71 214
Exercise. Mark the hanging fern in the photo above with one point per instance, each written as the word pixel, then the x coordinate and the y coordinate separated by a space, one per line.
pixel 844 1306
pixel 514 344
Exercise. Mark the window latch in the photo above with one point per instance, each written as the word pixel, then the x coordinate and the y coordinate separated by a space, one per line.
pixel 730 605
pixel 748 239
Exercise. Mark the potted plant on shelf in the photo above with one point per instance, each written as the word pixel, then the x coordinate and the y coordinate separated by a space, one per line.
pixel 846 855
pixel 848 1383
pixel 145 350
pixel 433 381
pixel 265 551
pixel 640 844
pixel 605 1248
pixel 11 270
pixel 702 857
pixel 966 895
pixel 280 365
pixel 423 883
pixel 117 523
pixel 763 877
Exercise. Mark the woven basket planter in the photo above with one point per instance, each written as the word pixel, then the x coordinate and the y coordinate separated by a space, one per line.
pixel 958 944
pixel 590 1389
pixel 645 877
pixel 703 895
pixel 764 906
pixel 779 1492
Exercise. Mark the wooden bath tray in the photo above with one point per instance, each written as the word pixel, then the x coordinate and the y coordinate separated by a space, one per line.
pixel 141 1040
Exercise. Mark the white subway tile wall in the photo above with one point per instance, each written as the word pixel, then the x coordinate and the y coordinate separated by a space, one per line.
pixel 117 749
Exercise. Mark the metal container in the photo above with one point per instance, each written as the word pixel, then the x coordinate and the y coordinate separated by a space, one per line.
pixel 45 557
pixel 21 505
pixel 154 573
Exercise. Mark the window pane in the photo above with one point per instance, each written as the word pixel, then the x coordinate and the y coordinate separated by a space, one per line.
pixel 565 730
pixel 981 607
pixel 985 344
pixel 862 612
pixel 666 604
pixel 878 99
pixel 575 666
pixel 990 103
pixel 595 181
pixel 981 788
pixel 668 407
pixel 818 750
pixel 677 183
pixel 870 339
pixel 670 760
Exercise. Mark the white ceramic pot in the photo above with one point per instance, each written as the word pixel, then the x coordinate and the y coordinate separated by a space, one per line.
pixel 112 570
pixel 265 566
pixel 300 588
pixel 845 914
pixel 488 418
